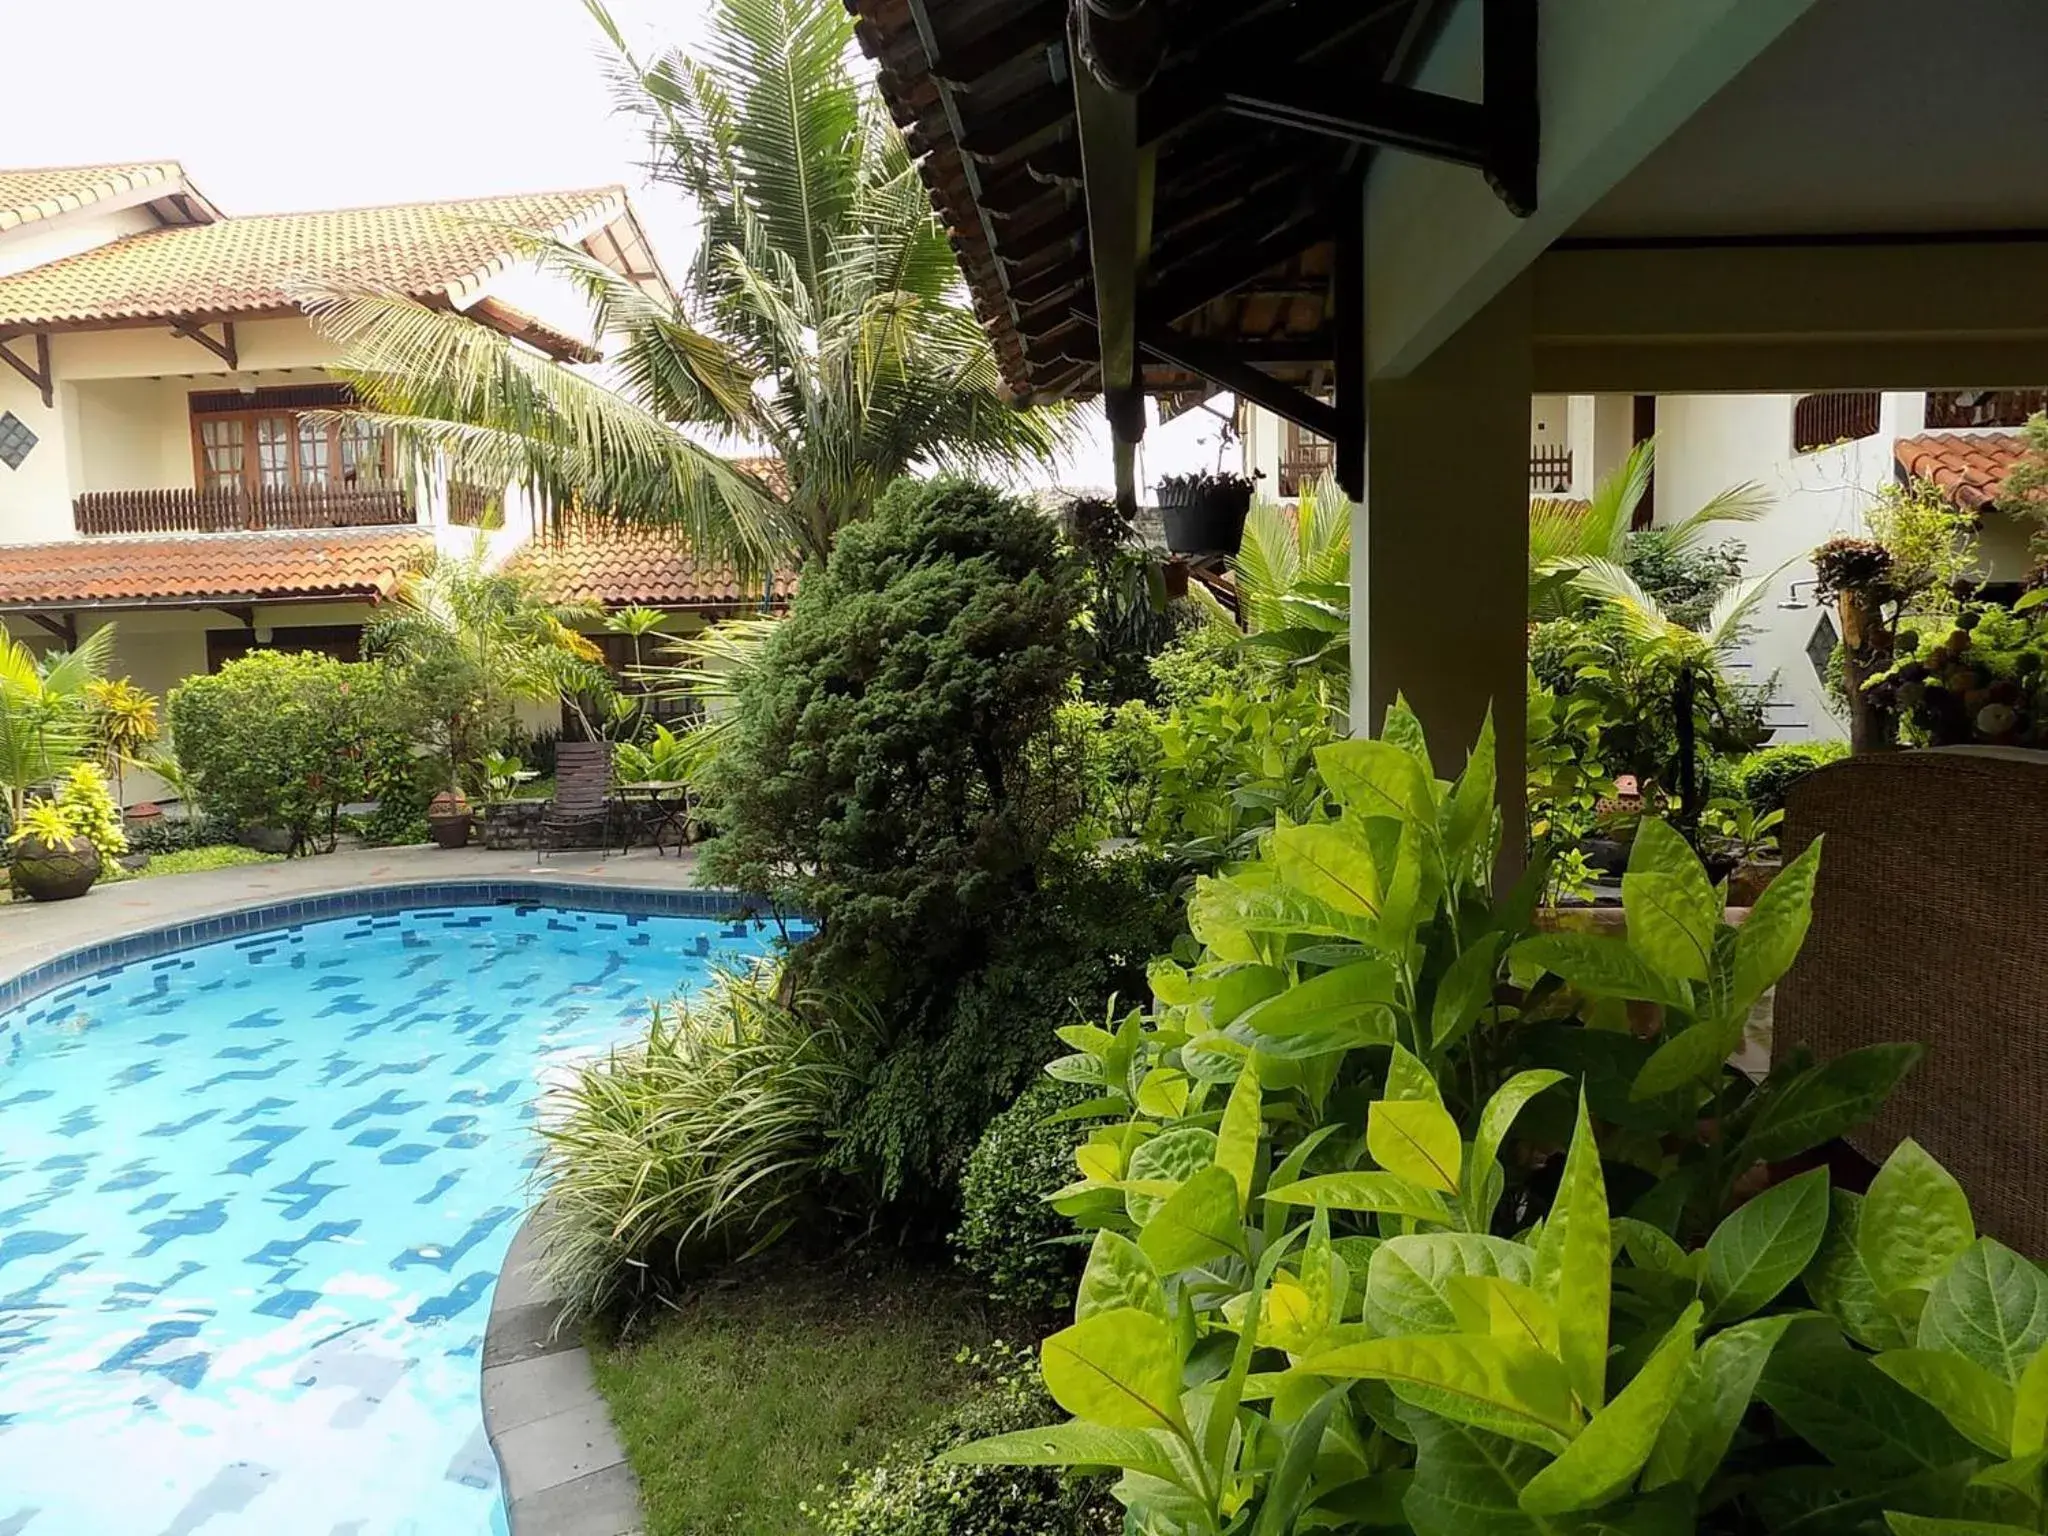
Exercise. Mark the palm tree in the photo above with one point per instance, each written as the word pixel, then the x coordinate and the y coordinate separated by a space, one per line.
pixel 823 318
pixel 475 642
pixel 46 712
pixel 1294 587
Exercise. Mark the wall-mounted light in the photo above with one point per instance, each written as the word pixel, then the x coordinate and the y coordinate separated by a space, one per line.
pixel 263 633
pixel 1792 594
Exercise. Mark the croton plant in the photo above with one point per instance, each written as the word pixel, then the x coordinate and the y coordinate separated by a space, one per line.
pixel 1408 1218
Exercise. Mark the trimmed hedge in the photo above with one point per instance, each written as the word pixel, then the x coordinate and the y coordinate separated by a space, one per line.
pixel 1769 773
pixel 1008 1237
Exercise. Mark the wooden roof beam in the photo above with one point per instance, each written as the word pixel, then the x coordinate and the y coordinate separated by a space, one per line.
pixel 1498 136
pixel 1038 25
pixel 1222 367
pixel 1233 261
pixel 39 373
pixel 224 349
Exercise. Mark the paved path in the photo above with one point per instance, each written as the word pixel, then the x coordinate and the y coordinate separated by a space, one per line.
pixel 31 932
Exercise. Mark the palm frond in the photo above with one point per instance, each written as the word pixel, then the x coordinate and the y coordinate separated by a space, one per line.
pixel 1728 621
pixel 1608 582
pixel 1745 503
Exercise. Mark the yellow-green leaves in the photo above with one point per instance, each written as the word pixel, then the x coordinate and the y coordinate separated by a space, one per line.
pixel 1416 1139
pixel 1718 1386
pixel 1495 1384
pixel 1385 1192
pixel 1073 1444
pixel 1841 1284
pixel 1928 1525
pixel 1504 1309
pixel 1196 1223
pixel 1409 1280
pixel 1574 1260
pixel 1377 778
pixel 1350 1006
pixel 1601 967
pixel 1989 1307
pixel 1977 1403
pixel 1119 1368
pixel 1495 1121
pixel 1468 827
pixel 1671 905
pixel 1915 1221
pixel 1606 1457
pixel 1464 992
pixel 1118 1276
pixel 1237 1138
pixel 1330 861
pixel 2030 1408
pixel 1765 1245
pixel 1768 943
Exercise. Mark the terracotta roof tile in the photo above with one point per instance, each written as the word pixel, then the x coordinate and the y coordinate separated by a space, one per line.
pixel 339 563
pixel 29 195
pixel 1970 466
pixel 617 565
pixel 268 262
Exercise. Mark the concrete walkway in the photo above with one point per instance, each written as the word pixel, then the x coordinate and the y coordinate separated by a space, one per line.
pixel 32 932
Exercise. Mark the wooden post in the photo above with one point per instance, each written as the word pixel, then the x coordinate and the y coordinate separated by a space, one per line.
pixel 1867 644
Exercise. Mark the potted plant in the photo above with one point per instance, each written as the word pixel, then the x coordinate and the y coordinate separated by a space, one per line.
pixel 1204 512
pixel 448 819
pixel 1740 847
pixel 50 858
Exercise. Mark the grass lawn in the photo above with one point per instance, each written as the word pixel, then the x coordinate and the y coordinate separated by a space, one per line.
pixel 193 860
pixel 751 1399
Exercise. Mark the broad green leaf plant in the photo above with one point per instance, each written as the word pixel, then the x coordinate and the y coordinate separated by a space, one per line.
pixel 1407 1218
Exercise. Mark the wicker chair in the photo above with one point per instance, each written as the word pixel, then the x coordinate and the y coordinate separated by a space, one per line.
pixel 579 815
pixel 1927 925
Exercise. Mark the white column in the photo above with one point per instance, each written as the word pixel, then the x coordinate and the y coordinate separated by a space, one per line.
pixel 1440 549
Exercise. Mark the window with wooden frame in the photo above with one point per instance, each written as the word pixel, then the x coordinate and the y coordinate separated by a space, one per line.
pixel 270 440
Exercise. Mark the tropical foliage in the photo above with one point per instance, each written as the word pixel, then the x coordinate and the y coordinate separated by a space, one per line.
pixel 822 320
pixel 700 1142
pixel 1294 590
pixel 46 712
pixel 471 643
pixel 1342 1277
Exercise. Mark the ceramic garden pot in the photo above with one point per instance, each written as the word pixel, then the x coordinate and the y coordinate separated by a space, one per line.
pixel 448 820
pixel 47 871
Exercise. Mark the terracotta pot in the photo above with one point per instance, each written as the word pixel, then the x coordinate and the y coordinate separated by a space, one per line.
pixel 44 871
pixel 1748 880
pixel 448 819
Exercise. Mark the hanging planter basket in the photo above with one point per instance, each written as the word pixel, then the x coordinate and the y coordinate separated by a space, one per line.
pixel 1204 514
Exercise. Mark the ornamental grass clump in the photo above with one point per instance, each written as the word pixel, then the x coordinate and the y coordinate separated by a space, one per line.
pixel 699 1144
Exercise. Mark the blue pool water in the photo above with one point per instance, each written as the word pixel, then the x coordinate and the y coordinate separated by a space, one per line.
pixel 253 1200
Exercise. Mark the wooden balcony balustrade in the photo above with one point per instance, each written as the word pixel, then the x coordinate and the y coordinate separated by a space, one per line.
pixel 1304 463
pixel 238 510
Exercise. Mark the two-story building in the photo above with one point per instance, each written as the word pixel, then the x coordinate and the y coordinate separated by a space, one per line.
pixel 164 461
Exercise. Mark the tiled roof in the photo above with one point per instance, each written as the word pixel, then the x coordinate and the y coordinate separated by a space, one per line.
pixel 338 563
pixel 26 196
pixel 617 565
pixel 1970 466
pixel 270 262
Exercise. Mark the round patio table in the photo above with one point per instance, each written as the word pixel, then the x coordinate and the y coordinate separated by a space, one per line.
pixel 667 810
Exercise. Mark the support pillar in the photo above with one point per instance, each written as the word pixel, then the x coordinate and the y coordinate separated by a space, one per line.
pixel 1440 549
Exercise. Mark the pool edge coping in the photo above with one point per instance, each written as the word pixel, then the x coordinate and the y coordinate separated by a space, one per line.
pixel 562 1468
pixel 27 982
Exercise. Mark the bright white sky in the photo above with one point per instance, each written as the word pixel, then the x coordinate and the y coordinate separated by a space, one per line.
pixel 275 106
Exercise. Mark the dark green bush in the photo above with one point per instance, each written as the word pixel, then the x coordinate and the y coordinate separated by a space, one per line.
pixel 1769 773
pixel 892 769
pixel 945 1070
pixel 1019 1247
pixel 160 834
pixel 911 1493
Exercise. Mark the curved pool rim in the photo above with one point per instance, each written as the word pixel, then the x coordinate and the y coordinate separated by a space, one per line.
pixel 147 943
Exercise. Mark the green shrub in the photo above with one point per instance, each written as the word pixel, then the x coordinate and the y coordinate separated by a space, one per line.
pixel 1399 1224
pixel 88 806
pixel 699 1143
pixel 1233 762
pixel 1056 956
pixel 913 1493
pixel 1768 774
pixel 893 768
pixel 1018 1246
pixel 160 835
pixel 284 740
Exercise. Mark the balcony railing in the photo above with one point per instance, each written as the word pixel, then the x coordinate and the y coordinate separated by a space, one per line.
pixel 1304 464
pixel 1550 471
pixel 238 510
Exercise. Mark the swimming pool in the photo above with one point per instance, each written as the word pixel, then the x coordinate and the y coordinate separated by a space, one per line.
pixel 254 1197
